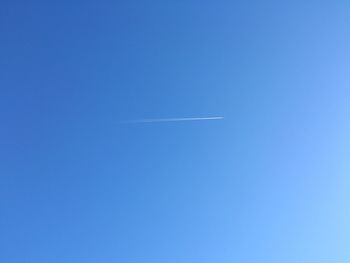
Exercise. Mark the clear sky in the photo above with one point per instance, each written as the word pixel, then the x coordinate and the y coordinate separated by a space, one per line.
pixel 268 183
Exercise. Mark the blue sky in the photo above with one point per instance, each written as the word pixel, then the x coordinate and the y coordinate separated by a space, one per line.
pixel 269 183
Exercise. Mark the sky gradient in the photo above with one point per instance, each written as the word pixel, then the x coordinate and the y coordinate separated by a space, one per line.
pixel 268 183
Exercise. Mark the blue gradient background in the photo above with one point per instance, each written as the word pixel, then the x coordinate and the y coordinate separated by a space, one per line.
pixel 269 183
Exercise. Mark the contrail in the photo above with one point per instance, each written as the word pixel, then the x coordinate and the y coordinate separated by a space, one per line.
pixel 175 119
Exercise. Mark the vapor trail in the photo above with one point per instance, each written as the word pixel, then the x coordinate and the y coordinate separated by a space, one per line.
pixel 175 119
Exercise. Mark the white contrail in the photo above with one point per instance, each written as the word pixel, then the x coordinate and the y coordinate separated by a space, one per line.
pixel 175 119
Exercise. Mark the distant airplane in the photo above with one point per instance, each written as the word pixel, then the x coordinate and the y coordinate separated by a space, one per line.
pixel 175 119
